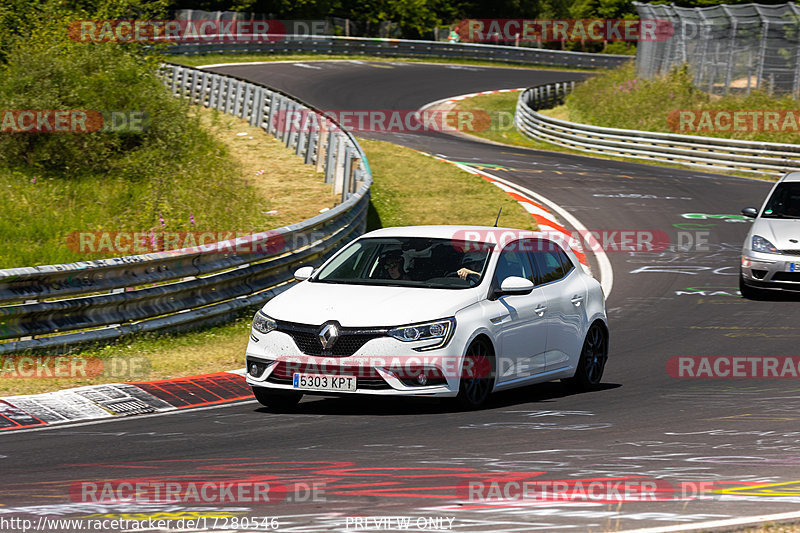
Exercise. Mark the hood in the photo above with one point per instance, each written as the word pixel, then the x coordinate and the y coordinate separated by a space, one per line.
pixel 779 231
pixel 367 306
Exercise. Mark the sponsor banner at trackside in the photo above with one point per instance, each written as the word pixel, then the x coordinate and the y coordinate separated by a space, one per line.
pixel 72 121
pixel 733 367
pixel 740 120
pixel 551 30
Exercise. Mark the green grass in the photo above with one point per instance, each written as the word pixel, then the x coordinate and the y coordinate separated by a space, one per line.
pixel 618 99
pixel 505 104
pixel 213 59
pixel 215 184
pixel 411 189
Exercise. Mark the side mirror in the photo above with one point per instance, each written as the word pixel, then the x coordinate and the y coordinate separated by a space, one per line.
pixel 303 273
pixel 515 285
pixel 751 212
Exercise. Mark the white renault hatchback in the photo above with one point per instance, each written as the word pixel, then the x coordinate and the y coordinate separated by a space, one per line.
pixel 439 311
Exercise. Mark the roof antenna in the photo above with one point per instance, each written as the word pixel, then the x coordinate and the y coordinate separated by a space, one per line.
pixel 498 217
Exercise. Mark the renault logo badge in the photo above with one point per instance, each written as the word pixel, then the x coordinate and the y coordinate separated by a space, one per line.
pixel 328 335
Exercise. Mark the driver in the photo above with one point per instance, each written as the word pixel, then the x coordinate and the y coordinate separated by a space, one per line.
pixel 472 265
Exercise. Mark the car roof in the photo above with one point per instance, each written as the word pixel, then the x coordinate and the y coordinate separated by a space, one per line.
pixel 452 232
pixel 791 176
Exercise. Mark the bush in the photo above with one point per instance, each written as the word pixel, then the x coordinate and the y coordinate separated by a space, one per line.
pixel 93 77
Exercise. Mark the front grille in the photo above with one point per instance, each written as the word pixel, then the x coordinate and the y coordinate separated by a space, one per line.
pixel 306 338
pixel 790 252
pixel 786 276
pixel 366 378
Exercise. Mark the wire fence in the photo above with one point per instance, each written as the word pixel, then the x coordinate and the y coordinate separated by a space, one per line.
pixel 729 48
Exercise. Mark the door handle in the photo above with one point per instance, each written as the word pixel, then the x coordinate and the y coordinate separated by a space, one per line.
pixel 540 310
pixel 576 300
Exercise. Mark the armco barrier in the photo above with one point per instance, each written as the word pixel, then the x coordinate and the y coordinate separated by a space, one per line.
pixel 326 44
pixel 102 300
pixel 710 153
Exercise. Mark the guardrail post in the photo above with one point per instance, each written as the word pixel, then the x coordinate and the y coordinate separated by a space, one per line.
pixel 289 124
pixel 338 177
pixel 213 97
pixel 257 113
pixel 175 76
pixel 330 157
pixel 322 144
pixel 247 102
pixel 303 133
pixel 274 105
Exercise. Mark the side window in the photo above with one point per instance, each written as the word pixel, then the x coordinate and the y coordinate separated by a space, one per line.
pixel 551 262
pixel 566 263
pixel 513 261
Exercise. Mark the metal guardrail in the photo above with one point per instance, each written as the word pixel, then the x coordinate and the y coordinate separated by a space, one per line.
pixel 326 44
pixel 102 300
pixel 710 153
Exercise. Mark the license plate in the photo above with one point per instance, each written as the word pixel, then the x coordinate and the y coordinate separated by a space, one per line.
pixel 323 382
pixel 792 267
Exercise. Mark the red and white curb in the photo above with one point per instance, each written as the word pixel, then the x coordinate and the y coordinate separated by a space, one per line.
pixel 113 400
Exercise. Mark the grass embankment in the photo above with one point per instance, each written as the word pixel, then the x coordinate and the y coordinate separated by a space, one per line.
pixel 618 99
pixel 409 188
pixel 232 178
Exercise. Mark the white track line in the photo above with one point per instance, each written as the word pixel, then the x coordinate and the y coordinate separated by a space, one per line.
pixel 606 272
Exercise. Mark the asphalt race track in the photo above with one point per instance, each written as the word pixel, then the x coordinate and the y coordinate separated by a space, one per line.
pixel 715 448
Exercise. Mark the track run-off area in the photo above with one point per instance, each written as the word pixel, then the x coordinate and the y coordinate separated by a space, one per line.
pixel 658 449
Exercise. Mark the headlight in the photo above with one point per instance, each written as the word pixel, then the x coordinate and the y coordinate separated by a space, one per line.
pixel 262 323
pixel 760 244
pixel 425 331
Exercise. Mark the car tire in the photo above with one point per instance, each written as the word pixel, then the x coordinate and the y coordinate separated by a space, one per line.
pixel 592 362
pixel 278 400
pixel 477 376
pixel 748 292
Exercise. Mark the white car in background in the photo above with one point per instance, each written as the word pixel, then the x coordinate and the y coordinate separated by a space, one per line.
pixel 771 251
pixel 437 311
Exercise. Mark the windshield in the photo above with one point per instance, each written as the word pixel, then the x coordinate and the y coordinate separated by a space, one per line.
pixel 407 262
pixel 784 202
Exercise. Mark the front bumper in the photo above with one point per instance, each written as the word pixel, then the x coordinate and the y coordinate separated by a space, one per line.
pixel 382 367
pixel 771 271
